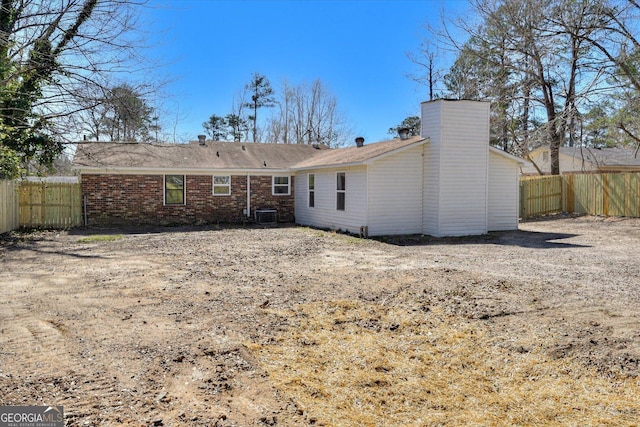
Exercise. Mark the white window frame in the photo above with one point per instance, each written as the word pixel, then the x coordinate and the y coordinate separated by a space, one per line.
pixel 274 185
pixel 184 189
pixel 227 185
pixel 341 191
pixel 311 190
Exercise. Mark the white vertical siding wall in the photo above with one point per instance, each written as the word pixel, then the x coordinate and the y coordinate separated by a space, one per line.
pixel 303 214
pixel 431 171
pixel 325 214
pixel 462 145
pixel 503 193
pixel 395 194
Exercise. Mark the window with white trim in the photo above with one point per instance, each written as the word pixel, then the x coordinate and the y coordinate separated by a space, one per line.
pixel 341 191
pixel 280 186
pixel 221 185
pixel 174 189
pixel 312 190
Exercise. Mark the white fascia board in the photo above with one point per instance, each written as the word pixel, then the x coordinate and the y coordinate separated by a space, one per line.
pixel 507 155
pixel 396 151
pixel 363 162
pixel 167 171
pixel 332 166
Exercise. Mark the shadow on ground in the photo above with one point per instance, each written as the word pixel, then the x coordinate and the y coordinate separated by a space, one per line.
pixel 525 239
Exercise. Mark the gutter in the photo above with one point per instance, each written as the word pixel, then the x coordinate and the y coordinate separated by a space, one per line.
pixel 331 166
pixel 182 171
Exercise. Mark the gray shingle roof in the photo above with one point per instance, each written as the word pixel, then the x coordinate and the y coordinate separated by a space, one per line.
pixel 351 155
pixel 226 155
pixel 213 155
pixel 604 156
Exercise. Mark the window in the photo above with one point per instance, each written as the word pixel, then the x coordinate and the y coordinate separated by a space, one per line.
pixel 341 186
pixel 312 190
pixel 221 185
pixel 174 189
pixel 281 185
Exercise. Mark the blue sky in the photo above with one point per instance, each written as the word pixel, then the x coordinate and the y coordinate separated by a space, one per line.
pixel 358 48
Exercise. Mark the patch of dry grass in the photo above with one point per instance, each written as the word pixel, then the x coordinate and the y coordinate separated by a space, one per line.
pixel 101 238
pixel 350 363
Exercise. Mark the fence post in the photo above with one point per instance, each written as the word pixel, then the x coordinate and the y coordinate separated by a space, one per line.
pixel 524 194
pixel 606 198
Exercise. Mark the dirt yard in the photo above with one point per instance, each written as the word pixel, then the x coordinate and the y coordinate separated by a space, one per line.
pixel 294 326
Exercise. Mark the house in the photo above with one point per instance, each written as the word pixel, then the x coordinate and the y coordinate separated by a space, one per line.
pixel 448 181
pixel 138 183
pixel 584 160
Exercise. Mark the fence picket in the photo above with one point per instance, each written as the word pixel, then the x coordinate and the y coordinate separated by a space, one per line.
pixel 9 208
pixel 608 194
pixel 50 205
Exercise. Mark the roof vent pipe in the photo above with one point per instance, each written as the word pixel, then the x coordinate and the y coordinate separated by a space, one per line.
pixel 403 133
pixel 359 141
pixel 202 139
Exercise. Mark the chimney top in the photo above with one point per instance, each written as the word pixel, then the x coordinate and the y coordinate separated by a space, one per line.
pixel 359 141
pixel 403 133
pixel 202 139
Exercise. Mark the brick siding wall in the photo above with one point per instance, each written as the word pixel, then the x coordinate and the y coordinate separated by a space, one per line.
pixel 139 199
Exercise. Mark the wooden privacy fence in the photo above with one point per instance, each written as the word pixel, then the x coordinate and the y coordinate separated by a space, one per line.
pixel 540 195
pixel 9 208
pixel 50 204
pixel 607 194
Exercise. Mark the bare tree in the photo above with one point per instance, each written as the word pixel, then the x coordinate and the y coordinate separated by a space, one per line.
pixel 426 60
pixel 528 53
pixel 237 121
pixel 616 37
pixel 308 114
pixel 51 51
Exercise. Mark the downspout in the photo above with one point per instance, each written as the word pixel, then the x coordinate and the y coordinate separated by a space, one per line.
pixel 86 223
pixel 422 186
pixel 364 229
pixel 486 174
pixel 248 195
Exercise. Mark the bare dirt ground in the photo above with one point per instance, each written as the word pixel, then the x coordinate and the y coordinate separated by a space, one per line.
pixel 172 326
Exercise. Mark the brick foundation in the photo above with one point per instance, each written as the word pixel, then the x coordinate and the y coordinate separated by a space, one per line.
pixel 139 200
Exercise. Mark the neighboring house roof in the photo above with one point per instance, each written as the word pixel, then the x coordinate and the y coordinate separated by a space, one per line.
pixel 358 155
pixel 585 159
pixel 603 157
pixel 193 156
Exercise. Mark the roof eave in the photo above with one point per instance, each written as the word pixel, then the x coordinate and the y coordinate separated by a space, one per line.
pixel 509 156
pixel 329 166
pixel 92 170
pixel 396 151
pixel 365 161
